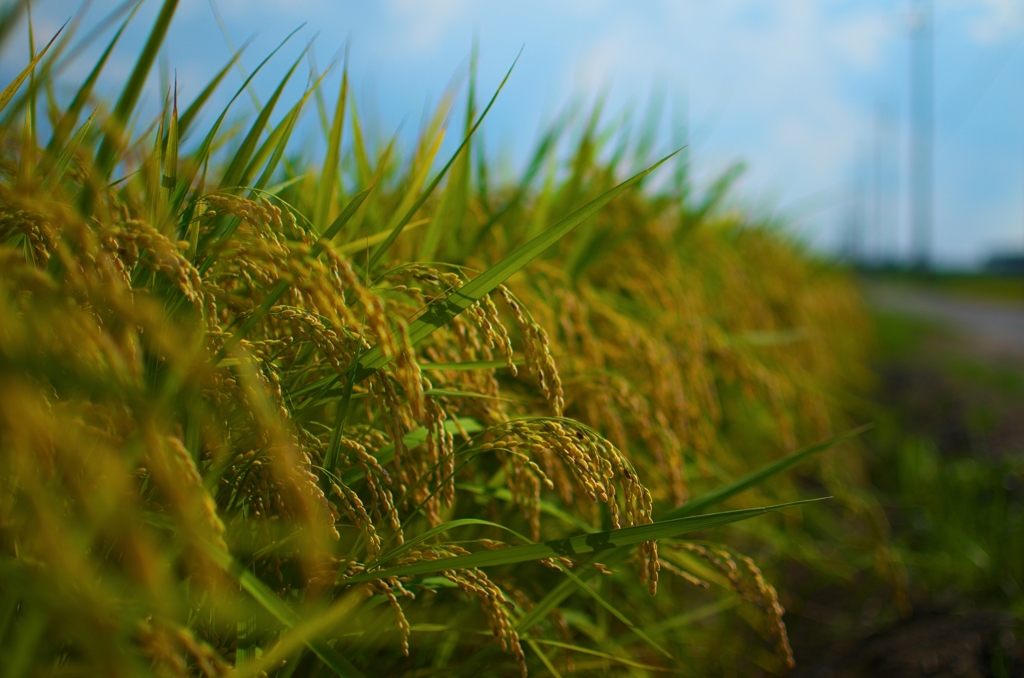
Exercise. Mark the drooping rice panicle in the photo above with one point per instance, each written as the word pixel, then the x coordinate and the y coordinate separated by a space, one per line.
pixel 234 389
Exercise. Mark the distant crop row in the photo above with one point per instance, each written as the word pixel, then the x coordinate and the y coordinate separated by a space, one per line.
pixel 387 416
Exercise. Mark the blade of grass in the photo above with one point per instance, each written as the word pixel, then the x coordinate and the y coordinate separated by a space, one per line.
pixel 233 175
pixel 543 151
pixel 693 616
pixel 454 393
pixel 27 636
pixel 292 642
pixel 451 212
pixel 362 243
pixel 201 155
pixel 70 117
pixel 280 610
pixel 340 419
pixel 412 439
pixel 379 251
pixel 545 506
pixel 170 174
pixel 543 658
pixel 61 166
pixel 757 477
pixel 555 597
pixel 106 157
pixel 359 147
pixel 469 365
pixel 439 312
pixel 277 140
pixel 603 655
pixel 11 89
pixel 32 97
pixel 639 632
pixel 9 17
pixel 439 530
pixel 342 219
pixel 70 57
pixel 578 545
pixel 401 215
pixel 231 46
pixel 329 174
pixel 196 106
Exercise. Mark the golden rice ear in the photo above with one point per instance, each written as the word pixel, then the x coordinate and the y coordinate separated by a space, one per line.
pixel 749 582
pixel 230 427
pixel 496 608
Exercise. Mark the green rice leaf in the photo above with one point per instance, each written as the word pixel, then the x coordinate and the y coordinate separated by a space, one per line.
pixel 547 507
pixel 408 205
pixel 340 419
pixel 70 116
pixel 439 312
pixel 190 114
pixel 451 212
pixel 454 393
pixel 772 338
pixel 9 17
pixel 543 658
pixel 578 545
pixel 234 174
pixel 359 148
pixel 202 154
pixel 540 156
pixel 273 604
pixel 27 637
pixel 709 499
pixel 329 174
pixel 640 633
pixel 439 530
pixel 412 439
pixel 364 242
pixel 468 365
pixel 692 616
pixel 382 248
pixel 342 219
pixel 277 141
pixel 12 89
pixel 170 175
pixel 604 655
pixel 107 156
pixel 56 173
pixel 555 596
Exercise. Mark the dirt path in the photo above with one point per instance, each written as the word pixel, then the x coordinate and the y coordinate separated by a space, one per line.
pixel 995 328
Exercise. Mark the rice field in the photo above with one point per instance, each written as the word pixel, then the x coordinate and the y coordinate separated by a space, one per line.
pixel 386 414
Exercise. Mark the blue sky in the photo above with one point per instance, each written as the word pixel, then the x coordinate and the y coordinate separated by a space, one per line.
pixel 791 87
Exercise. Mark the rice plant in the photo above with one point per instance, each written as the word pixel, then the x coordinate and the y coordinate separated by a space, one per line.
pixel 385 415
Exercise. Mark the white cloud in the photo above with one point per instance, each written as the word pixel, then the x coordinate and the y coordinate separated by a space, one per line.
pixel 424 25
pixel 862 39
pixel 995 20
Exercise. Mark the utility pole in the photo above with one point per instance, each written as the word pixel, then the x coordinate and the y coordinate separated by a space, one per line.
pixel 856 224
pixel 885 193
pixel 878 186
pixel 922 107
